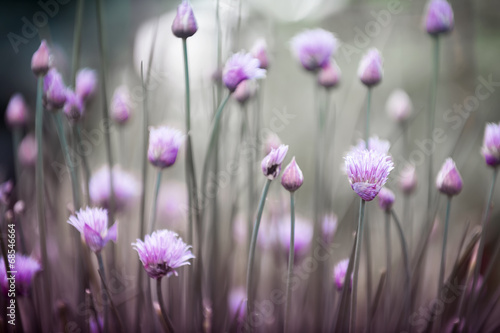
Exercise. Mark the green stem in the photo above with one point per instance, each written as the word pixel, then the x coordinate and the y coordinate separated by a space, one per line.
pixel 105 302
pixel 359 237
pixel 388 265
pixel 367 119
pixel 77 37
pixel 164 313
pixel 17 135
pixel 251 254
pixel 152 219
pixel 290 263
pixel 443 251
pixel 86 167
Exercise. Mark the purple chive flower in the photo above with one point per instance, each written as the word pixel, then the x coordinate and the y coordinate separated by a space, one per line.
pixel 439 17
pixel 26 268
pixel 73 108
pixel 374 143
pixel 17 111
pixel 339 273
pixel 491 144
pixel 329 227
pixel 121 105
pixel 314 48
pixel 408 179
pixel 272 141
pixel 27 151
pixel 370 69
pixel 240 67
pixel 259 52
pixel 386 199
pixel 54 90
pixel 303 235
pixel 236 302
pixel 329 75
pixel 162 253
pixel 367 171
pixel 92 223
pixel 6 192
pixel 164 143
pixel 244 91
pixel 126 188
pixel 86 83
pixel 271 164
pixel 448 180
pixel 399 106
pixel 40 62
pixel 184 24
pixel 292 177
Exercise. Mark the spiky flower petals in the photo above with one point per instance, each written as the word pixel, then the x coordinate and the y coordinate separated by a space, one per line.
pixel 271 164
pixel 184 24
pixel 399 106
pixel 17 111
pixel 314 48
pixel 386 199
pixel 25 269
pixel 439 17
pixel 164 143
pixel 92 223
pixel 370 70
pixel 240 67
pixel 86 83
pixel 162 253
pixel 367 171
pixel 491 144
pixel 339 273
pixel 40 62
pixel 54 90
pixel 448 180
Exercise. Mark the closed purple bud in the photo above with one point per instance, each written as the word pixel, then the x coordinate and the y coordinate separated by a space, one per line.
pixel 40 62
pixel 292 178
pixel 329 75
pixel 121 105
pixel 370 70
pixel 271 164
pixel 259 51
pixel 448 180
pixel 386 199
pixel 491 144
pixel 184 24
pixel 27 151
pixel 164 143
pixel 86 82
pixel 314 48
pixel 408 179
pixel 73 108
pixel 399 106
pixel 439 17
pixel 339 273
pixel 17 111
pixel 240 67
pixel 244 91
pixel 54 90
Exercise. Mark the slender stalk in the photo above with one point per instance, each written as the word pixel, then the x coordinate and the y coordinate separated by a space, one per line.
pixel 105 301
pixel 251 182
pixel 290 263
pixel 251 254
pixel 164 314
pixel 77 37
pixel 367 119
pixel 17 135
pixel 443 251
pixel 388 266
pixel 368 252
pixel 152 218
pixel 113 307
pixel 359 237
pixel 86 167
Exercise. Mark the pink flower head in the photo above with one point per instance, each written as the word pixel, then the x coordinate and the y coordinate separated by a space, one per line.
pixel 240 67
pixel 17 111
pixel 491 144
pixel 162 253
pixel 329 227
pixel 40 62
pixel 367 171
pixel 121 105
pixel 164 143
pixel 73 108
pixel 54 90
pixel 126 188
pixel 339 273
pixel 370 70
pixel 271 164
pixel 92 223
pixel 329 75
pixel 386 199
pixel 259 51
pixel 27 150
pixel 408 179
pixel 272 141
pixel 292 177
pixel 399 106
pixel 184 24
pixel 374 143
pixel 439 17
pixel 314 48
pixel 448 180
pixel 244 91
pixel 303 235
pixel 86 83
pixel 26 268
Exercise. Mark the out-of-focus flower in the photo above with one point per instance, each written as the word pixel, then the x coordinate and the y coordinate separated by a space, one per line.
pixel 329 227
pixel 367 171
pixel 54 90
pixel 73 108
pixel 26 268
pixel 271 164
pixel 236 302
pixel 92 223
pixel 27 151
pixel 329 75
pixel 17 111
pixel 162 253
pixel 370 70
pixel 244 91
pixel 164 143
pixel 386 199
pixel 272 141
pixel 19 207
pixel 240 67
pixel 184 24
pixel 399 106
pixel 339 273
pixel 86 83
pixel 126 188
pixel 259 51
pixel 121 105
pixel 314 48
pixel 374 143
pixel 448 180
pixel 292 177
pixel 439 17
pixel 303 235
pixel 96 326
pixel 491 144
pixel 173 204
pixel 408 179
pixel 6 192
pixel 40 62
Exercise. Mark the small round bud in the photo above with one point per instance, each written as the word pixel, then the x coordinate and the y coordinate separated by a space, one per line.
pixel 292 178
pixel 17 111
pixel 408 179
pixel 439 17
pixel 27 151
pixel 448 180
pixel 164 143
pixel 86 83
pixel 54 90
pixel 399 106
pixel 184 24
pixel 370 70
pixel 385 199
pixel 121 105
pixel 259 51
pixel 491 145
pixel 40 62
pixel 329 75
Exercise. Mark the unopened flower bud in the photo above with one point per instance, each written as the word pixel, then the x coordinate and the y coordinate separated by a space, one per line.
pixel 40 62
pixel 27 151
pixel 54 90
pixel 73 108
pixel 448 180
pixel 329 75
pixel 439 17
pixel 408 179
pixel 386 199
pixel 17 111
pixel 184 24
pixel 370 70
pixel 491 144
pixel 292 178
pixel 259 51
pixel 121 105
pixel 86 82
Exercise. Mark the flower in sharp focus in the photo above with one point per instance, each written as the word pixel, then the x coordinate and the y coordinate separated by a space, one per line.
pixel 40 62
pixel 73 108
pixel 399 106
pixel 92 223
pixel 408 179
pixel 386 199
pixel 292 177
pixel 54 90
pixel 184 24
pixel 370 70
pixel 448 180
pixel 329 227
pixel 27 150
pixel 314 48
pixel 367 171
pixel 271 164
pixel 121 105
pixel 16 114
pixel 26 268
pixel 86 83
pixel 162 253
pixel 259 51
pixel 439 17
pixel 491 144
pixel 329 75
pixel 240 67
pixel 339 273
pixel 164 143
